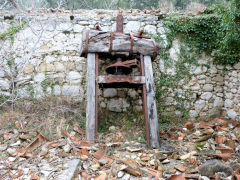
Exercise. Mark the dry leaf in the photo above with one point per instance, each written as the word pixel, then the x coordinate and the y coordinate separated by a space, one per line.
pixel 231 143
pixel 191 176
pixel 99 154
pixel 24 137
pixel 236 174
pixel 102 177
pixel 133 171
pixel 225 150
pixel 32 146
pixel 133 149
pixel 86 176
pixel 177 177
pixel 110 160
pixel 188 125
pixel 181 168
pixel 205 125
pixel 34 177
pixel 8 136
pixel 221 122
pixel 173 171
pixel 181 136
pixel 78 129
pixel 224 157
pixel 155 173
pixel 17 175
pixel 220 139
pixel 84 152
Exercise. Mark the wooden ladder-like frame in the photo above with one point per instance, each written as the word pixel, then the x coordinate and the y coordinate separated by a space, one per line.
pixel 149 102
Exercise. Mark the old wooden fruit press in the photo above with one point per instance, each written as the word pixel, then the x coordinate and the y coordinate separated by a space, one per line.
pixel 128 51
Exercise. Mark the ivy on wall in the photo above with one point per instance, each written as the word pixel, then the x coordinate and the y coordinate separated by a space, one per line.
pixel 216 33
pixel 12 30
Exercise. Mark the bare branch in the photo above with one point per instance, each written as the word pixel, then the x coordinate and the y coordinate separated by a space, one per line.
pixel 14 4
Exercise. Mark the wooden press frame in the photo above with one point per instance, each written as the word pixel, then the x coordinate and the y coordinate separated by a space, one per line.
pixel 148 97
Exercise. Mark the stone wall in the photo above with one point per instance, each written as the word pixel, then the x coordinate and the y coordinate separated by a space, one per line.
pixel 44 60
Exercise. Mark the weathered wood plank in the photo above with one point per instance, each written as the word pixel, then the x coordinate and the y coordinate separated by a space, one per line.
pixel 151 103
pixel 90 115
pixel 121 78
pixel 99 42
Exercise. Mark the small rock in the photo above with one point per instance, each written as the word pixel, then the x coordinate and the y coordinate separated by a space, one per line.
pixel 11 159
pixel 15 131
pixel 16 144
pixel 126 177
pixel 120 174
pixel 188 155
pixel 67 148
pixel 95 167
pixel 3 147
pixel 112 128
pixel 109 92
pixel 103 161
pixel 166 161
pixel 211 167
pixel 203 178
pixel 11 151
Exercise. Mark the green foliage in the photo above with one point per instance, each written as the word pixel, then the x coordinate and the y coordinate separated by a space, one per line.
pixel 172 85
pixel 31 90
pixel 12 30
pixel 216 34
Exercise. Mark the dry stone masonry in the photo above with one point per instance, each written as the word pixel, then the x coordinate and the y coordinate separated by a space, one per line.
pixel 44 60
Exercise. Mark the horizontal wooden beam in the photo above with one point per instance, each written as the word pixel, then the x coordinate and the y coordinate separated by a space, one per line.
pixel 94 41
pixel 121 79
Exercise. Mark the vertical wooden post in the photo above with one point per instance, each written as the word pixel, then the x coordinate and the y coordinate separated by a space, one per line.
pixel 91 114
pixel 151 104
pixel 144 100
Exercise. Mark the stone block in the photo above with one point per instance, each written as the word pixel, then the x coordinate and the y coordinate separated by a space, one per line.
pixel 115 105
pixel 57 90
pixel 59 67
pixel 38 78
pixel 193 114
pixel 228 103
pixel 218 102
pixel 46 67
pixel 132 26
pixel 109 92
pixel 68 90
pixel 1 73
pixel 74 75
pixel 208 87
pixel 4 84
pixel 206 96
pixel 150 29
pixel 29 68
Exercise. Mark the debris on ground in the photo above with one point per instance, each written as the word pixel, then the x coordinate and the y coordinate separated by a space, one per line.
pixel 199 150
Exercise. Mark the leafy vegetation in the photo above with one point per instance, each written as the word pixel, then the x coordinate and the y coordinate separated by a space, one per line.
pixel 173 101
pixel 12 30
pixel 216 34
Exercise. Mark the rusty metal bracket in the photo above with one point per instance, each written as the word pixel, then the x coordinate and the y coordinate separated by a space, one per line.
pixel 155 50
pixel 141 35
pixel 86 42
pixel 111 42
pixel 119 23
pixel 131 49
pixel 120 79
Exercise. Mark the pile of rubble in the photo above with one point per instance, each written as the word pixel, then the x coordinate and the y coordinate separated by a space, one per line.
pixel 202 150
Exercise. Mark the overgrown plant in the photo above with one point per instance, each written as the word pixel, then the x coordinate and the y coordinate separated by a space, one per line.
pixel 215 33
pixel 12 30
pixel 171 86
